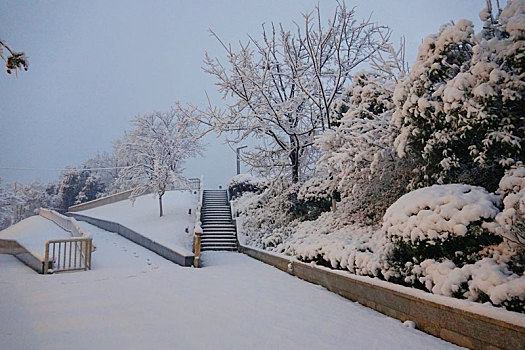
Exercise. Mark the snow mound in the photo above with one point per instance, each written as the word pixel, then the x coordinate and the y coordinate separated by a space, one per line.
pixel 438 211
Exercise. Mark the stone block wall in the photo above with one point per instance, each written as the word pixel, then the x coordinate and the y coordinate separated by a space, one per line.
pixel 475 330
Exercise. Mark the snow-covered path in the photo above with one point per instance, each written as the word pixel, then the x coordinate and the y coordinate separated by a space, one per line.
pixel 134 299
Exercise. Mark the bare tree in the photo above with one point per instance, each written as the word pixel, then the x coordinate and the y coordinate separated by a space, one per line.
pixel 281 88
pixel 155 150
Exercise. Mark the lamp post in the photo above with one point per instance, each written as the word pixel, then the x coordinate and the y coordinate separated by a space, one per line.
pixel 238 151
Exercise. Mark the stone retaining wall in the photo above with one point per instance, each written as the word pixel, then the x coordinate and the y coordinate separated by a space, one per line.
pixel 475 330
pixel 101 201
pixel 165 252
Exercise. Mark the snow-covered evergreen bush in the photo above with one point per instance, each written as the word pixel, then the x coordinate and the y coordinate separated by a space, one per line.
pixel 460 114
pixel 242 183
pixel 510 222
pixel 440 222
pixel 441 243
pixel 311 199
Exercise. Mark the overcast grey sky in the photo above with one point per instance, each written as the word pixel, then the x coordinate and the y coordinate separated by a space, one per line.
pixel 94 65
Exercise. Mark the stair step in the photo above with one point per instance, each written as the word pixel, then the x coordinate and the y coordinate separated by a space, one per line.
pixel 218 232
pixel 219 240
pixel 228 235
pixel 208 245
pixel 229 249
pixel 220 228
pixel 227 244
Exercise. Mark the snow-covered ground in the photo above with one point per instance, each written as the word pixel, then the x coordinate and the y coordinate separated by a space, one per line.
pixel 142 216
pixel 33 232
pixel 134 299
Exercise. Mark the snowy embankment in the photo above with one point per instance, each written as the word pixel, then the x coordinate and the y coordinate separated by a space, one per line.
pixel 134 299
pixel 173 230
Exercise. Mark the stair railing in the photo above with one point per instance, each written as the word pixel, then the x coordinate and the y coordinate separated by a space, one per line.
pixel 68 254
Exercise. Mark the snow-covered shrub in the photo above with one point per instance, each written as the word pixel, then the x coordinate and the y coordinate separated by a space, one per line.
pixel 441 243
pixel 358 155
pixel 440 222
pixel 332 243
pixel 485 280
pixel 371 196
pixel 510 222
pixel 312 198
pixel 266 215
pixel 460 113
pixel 243 183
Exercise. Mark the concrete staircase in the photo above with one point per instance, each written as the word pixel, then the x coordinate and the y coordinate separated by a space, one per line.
pixel 218 229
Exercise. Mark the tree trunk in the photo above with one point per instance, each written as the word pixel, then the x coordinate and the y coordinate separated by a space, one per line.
pixel 295 172
pixel 294 160
pixel 160 205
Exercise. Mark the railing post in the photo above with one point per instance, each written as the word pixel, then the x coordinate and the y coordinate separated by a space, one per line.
pixel 197 246
pixel 90 243
pixel 86 255
pixel 46 259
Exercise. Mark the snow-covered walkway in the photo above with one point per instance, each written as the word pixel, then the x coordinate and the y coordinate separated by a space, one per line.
pixel 134 299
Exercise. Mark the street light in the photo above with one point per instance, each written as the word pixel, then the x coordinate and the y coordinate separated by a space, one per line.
pixel 238 151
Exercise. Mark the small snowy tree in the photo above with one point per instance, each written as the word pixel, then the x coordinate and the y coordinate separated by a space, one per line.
pixel 155 150
pixel 283 87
